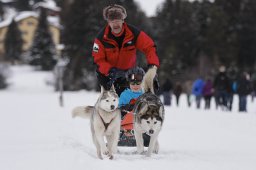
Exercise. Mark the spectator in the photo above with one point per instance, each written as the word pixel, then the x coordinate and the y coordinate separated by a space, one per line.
pixel 207 93
pixel 221 87
pixel 177 92
pixel 167 92
pixel 197 90
pixel 188 89
pixel 243 89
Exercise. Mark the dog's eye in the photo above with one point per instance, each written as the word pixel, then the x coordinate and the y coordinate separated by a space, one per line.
pixel 114 100
pixel 155 122
pixel 107 100
pixel 148 122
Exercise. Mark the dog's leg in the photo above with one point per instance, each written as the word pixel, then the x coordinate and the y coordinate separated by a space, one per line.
pixel 152 144
pixel 156 147
pixel 115 138
pixel 109 146
pixel 100 139
pixel 112 141
pixel 96 143
pixel 139 141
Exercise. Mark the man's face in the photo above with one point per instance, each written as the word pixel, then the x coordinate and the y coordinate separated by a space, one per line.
pixel 116 25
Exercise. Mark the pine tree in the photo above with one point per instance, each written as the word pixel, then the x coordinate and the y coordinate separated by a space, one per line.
pixel 81 24
pixel 43 50
pixel 1 11
pixel 13 43
pixel 23 5
pixel 247 35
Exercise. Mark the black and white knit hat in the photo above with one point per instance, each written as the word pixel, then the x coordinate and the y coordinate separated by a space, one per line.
pixel 115 11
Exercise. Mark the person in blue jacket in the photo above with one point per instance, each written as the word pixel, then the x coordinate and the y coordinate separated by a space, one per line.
pixel 197 90
pixel 128 97
pixel 127 100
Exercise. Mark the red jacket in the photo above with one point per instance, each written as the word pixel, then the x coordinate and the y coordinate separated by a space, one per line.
pixel 107 54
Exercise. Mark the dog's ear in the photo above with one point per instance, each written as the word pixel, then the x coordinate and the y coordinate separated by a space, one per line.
pixel 161 111
pixel 113 88
pixel 141 108
pixel 102 89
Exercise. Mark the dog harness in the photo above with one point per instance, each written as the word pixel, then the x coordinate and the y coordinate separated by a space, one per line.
pixel 104 123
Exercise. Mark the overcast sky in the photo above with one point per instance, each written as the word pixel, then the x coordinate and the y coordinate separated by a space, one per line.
pixel 149 6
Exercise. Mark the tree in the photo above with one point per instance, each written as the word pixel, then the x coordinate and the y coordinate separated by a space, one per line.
pixel 23 5
pixel 13 43
pixel 43 51
pixel 1 11
pixel 81 24
pixel 247 35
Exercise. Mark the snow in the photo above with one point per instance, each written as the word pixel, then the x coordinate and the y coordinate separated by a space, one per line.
pixel 49 4
pixel 38 134
pixel 149 6
pixel 25 14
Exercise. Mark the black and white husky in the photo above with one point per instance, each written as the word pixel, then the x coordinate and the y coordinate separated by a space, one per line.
pixel 149 115
pixel 105 122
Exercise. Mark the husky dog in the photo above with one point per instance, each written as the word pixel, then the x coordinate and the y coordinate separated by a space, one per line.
pixel 149 115
pixel 105 122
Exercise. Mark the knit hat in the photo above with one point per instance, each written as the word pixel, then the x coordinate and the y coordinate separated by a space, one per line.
pixel 115 11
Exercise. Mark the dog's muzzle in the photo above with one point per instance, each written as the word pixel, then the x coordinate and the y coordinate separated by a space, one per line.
pixel 112 107
pixel 151 131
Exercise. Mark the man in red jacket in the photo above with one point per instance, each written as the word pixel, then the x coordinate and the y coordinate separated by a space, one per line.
pixel 114 49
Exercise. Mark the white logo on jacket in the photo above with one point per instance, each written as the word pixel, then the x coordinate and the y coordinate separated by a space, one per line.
pixel 96 47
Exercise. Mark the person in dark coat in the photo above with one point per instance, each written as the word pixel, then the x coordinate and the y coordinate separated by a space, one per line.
pixel 243 89
pixel 253 80
pixel 207 93
pixel 177 92
pixel 167 92
pixel 221 87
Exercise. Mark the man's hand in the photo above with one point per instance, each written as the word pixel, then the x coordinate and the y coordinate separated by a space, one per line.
pixel 112 73
pixel 105 81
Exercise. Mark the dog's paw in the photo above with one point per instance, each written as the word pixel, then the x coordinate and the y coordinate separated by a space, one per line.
pixel 111 157
pixel 148 154
pixel 99 155
pixel 155 150
pixel 140 151
pixel 105 151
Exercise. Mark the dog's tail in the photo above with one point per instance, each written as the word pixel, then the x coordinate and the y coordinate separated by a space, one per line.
pixel 148 80
pixel 83 111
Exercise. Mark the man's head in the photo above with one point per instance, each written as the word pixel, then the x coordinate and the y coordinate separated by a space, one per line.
pixel 135 76
pixel 115 15
pixel 222 69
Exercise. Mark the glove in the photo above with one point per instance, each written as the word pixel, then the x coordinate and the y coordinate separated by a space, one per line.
pixel 127 108
pixel 151 65
pixel 112 73
pixel 105 81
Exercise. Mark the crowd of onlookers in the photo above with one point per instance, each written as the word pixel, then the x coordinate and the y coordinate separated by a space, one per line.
pixel 221 88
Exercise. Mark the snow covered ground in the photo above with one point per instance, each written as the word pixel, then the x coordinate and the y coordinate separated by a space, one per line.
pixel 37 134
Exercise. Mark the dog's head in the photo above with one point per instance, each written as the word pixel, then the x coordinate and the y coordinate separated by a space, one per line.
pixel 108 100
pixel 150 116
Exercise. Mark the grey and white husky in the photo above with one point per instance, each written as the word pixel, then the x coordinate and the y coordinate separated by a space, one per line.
pixel 149 115
pixel 105 122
